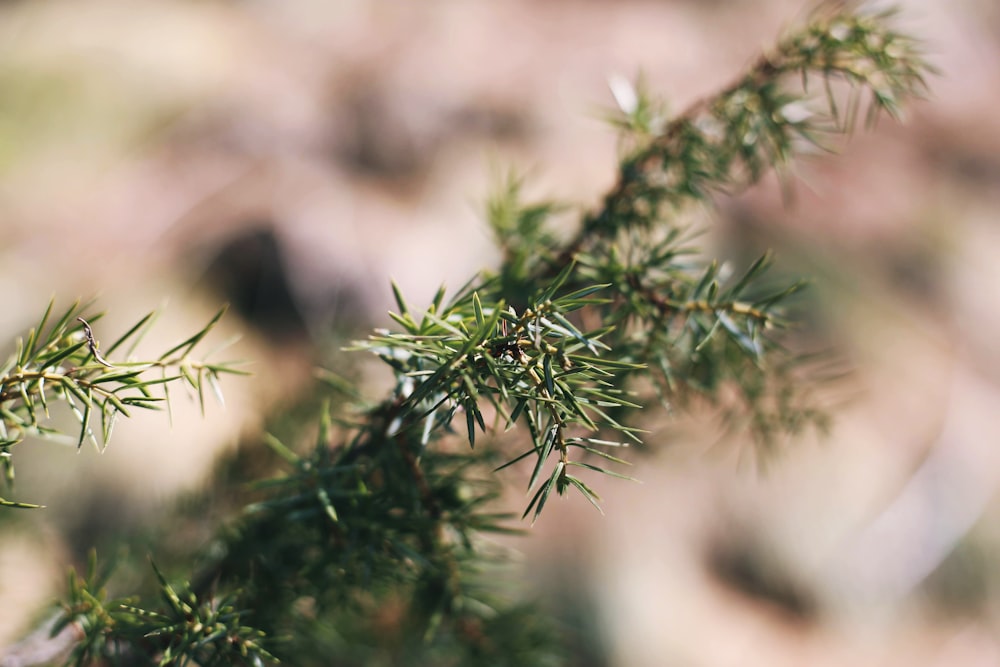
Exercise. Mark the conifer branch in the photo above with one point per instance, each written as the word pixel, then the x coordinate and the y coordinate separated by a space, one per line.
pixel 368 544
pixel 59 362
pixel 730 139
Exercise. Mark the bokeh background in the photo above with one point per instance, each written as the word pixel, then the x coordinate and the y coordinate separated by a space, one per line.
pixel 292 156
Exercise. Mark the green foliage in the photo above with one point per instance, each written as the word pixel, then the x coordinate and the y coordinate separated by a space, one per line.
pixel 761 120
pixel 369 544
pixel 668 310
pixel 535 367
pixel 182 630
pixel 61 362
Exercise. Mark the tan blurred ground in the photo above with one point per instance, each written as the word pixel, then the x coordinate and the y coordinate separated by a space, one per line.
pixel 137 138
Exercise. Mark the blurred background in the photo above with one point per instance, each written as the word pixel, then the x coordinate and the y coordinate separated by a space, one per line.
pixel 291 157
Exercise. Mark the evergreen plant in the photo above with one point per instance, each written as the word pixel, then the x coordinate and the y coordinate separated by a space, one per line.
pixel 366 545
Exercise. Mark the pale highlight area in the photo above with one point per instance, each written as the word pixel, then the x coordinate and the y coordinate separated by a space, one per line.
pixel 31 569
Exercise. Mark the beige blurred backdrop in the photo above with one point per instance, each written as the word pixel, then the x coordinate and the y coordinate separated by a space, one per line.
pixel 179 153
